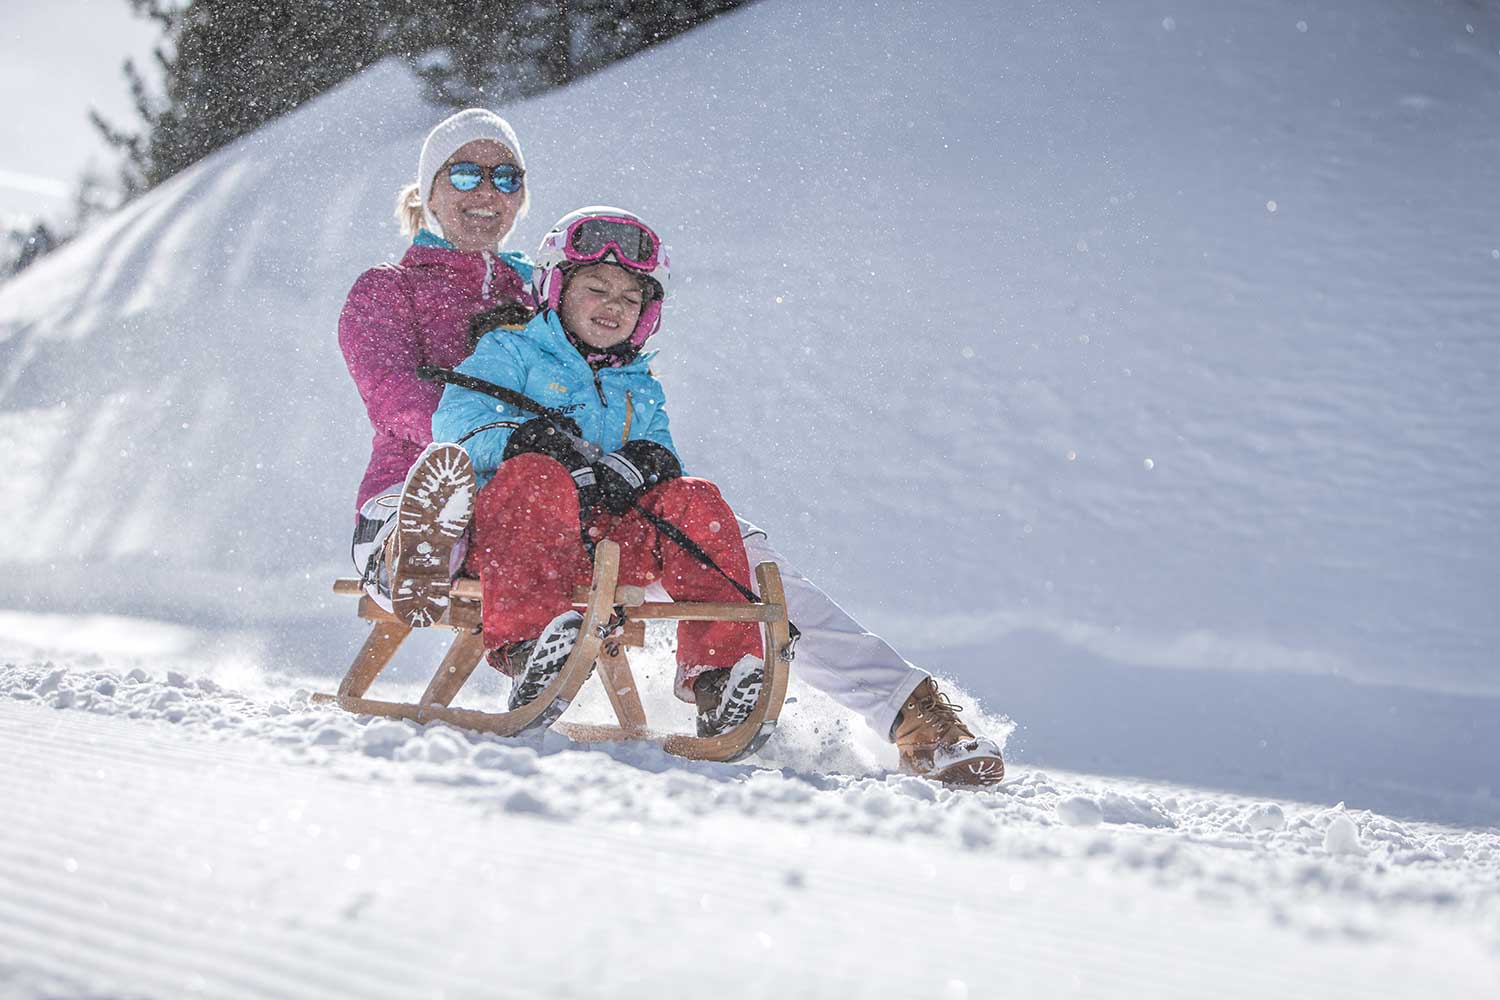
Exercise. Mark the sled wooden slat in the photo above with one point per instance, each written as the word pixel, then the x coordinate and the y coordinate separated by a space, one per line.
pixel 619 684
pixel 623 595
pixel 460 614
pixel 601 645
pixel 631 634
pixel 372 657
pixel 463 656
pixel 689 612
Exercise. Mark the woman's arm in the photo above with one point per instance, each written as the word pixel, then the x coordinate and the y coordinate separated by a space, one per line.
pixel 378 335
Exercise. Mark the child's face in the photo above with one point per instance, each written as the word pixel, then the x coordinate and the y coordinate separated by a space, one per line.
pixel 601 304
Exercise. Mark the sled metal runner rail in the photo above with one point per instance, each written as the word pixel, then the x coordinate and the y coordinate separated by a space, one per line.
pixel 600 647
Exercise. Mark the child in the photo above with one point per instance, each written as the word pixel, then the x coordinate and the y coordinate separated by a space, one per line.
pixel 600 277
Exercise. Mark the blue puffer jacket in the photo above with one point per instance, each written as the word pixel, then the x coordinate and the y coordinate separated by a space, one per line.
pixel 612 406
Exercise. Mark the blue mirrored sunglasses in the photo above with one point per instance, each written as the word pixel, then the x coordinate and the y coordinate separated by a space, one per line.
pixel 467 176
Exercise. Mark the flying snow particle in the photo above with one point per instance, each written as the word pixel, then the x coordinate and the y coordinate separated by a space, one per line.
pixel 1270 206
pixel 1072 455
pixel 70 865
pixel 1495 254
pixel 1169 24
pixel 1469 28
pixel 1302 26
pixel 1083 246
pixel 1083 338
pixel 1149 464
pixel 778 300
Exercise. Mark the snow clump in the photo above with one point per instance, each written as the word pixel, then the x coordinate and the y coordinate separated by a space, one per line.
pixel 1080 810
pixel 1342 836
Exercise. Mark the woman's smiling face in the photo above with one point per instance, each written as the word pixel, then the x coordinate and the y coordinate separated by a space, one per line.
pixel 601 304
pixel 477 219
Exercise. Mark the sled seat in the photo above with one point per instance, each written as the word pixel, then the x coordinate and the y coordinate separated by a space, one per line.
pixel 614 619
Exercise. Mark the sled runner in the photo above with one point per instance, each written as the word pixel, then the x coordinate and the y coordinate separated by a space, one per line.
pixel 614 618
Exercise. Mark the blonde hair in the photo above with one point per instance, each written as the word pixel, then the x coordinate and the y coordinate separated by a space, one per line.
pixel 409 209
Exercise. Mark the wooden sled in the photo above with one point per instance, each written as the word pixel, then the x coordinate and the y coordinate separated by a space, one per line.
pixel 614 618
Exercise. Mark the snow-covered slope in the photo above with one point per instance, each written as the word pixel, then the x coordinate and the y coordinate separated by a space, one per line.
pixel 1132 366
pixel 173 838
pixel 1087 352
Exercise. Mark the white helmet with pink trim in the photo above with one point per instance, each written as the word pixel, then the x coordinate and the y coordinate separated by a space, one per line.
pixel 598 234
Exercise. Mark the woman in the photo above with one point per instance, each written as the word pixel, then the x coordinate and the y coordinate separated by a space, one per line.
pixel 470 192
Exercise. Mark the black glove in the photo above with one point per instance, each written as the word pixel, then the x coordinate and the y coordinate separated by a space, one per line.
pixel 542 437
pixel 618 479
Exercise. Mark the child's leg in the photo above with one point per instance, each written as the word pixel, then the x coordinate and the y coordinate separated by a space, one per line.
pixel 646 556
pixel 527 551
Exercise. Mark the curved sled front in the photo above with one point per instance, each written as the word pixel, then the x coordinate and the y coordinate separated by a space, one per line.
pixel 468 649
pixel 735 744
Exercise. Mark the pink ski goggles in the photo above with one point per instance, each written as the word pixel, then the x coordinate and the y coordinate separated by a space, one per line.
pixel 591 239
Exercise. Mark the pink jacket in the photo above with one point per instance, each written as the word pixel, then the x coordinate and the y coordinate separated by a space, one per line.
pixel 399 316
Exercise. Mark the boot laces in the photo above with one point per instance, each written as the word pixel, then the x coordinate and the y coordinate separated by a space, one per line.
pixel 936 709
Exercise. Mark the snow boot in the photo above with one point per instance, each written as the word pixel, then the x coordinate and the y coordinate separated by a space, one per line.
pixel 725 697
pixel 935 744
pixel 436 502
pixel 533 663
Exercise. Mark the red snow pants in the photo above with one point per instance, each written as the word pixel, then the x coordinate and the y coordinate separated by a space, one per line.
pixel 528 553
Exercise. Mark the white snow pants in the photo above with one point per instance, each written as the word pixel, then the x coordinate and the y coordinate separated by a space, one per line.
pixel 835 654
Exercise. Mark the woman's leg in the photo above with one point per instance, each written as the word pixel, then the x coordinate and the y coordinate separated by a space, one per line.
pixel 646 557
pixel 527 551
pixel 374 524
pixel 836 654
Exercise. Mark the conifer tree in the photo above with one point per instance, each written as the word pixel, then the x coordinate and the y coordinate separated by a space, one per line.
pixel 228 66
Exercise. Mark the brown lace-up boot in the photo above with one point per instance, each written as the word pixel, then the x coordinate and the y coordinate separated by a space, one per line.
pixel 934 742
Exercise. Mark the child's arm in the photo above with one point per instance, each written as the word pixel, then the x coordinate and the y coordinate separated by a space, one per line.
pixel 483 423
pixel 656 430
pixel 648 458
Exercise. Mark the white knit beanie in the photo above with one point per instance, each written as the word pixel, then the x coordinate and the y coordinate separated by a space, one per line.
pixel 451 134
